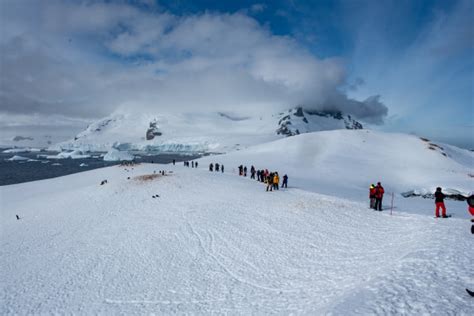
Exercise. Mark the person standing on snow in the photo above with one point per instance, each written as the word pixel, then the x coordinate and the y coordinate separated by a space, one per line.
pixel 285 182
pixel 222 168
pixel 372 196
pixel 245 171
pixel 470 202
pixel 439 202
pixel 379 191
pixel 276 181
pixel 269 180
pixel 211 166
pixel 252 172
pixel 217 167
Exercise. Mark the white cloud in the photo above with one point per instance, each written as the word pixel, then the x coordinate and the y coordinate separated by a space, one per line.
pixel 87 59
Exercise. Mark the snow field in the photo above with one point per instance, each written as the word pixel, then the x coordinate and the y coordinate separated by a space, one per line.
pixel 218 243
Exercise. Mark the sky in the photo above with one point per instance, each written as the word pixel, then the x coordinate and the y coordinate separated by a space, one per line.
pixel 398 66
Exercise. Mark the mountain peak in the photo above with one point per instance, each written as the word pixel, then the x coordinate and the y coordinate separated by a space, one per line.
pixel 300 120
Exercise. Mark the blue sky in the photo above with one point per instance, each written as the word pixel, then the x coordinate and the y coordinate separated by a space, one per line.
pixel 404 66
pixel 362 32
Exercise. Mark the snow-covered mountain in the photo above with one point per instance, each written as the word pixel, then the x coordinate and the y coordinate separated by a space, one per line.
pixel 200 132
pixel 299 120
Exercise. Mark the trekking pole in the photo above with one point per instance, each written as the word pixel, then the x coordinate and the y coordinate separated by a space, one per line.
pixel 391 207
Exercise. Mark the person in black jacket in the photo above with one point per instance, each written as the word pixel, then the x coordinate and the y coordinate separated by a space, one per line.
pixel 252 172
pixel 285 182
pixel 439 202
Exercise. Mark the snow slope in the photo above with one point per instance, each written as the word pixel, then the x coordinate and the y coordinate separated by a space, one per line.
pixel 345 162
pixel 215 243
pixel 199 132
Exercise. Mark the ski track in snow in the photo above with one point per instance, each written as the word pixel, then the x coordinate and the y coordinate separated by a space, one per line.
pixel 218 244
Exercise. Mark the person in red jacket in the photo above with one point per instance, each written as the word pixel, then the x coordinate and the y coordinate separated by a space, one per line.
pixel 379 191
pixel 372 196
pixel 439 202
pixel 470 202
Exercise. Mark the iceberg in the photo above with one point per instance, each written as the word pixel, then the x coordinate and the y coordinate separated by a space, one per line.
pixel 117 155
pixel 17 158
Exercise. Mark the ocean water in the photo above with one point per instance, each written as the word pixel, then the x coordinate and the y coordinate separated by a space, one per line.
pixel 12 172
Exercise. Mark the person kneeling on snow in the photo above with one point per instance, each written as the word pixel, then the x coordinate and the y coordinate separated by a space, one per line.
pixel 439 202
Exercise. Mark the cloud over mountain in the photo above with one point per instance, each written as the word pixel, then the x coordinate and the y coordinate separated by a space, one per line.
pixel 86 59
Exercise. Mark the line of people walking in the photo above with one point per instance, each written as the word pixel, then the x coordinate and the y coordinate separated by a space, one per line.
pixel 187 164
pixel 271 179
pixel 216 167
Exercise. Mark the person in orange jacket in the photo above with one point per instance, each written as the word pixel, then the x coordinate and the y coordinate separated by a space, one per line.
pixel 379 191
pixel 372 196
pixel 276 181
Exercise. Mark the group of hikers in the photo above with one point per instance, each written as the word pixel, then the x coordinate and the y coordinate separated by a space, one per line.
pixel 186 164
pixel 271 179
pixel 216 167
pixel 376 195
